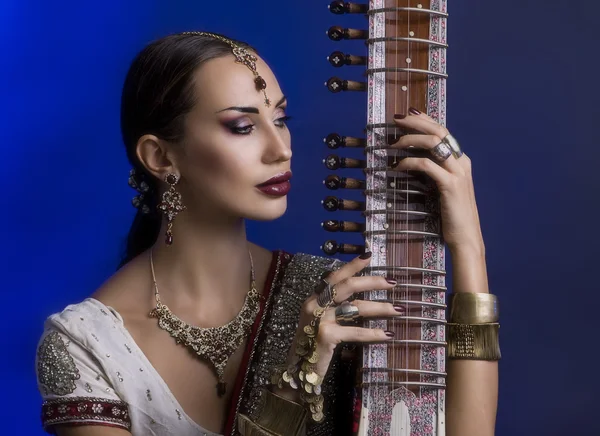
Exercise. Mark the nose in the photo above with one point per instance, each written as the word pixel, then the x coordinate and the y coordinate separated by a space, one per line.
pixel 278 147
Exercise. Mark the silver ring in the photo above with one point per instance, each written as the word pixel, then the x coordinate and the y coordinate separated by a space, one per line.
pixel 346 313
pixel 453 144
pixel 327 296
pixel 323 283
pixel 441 152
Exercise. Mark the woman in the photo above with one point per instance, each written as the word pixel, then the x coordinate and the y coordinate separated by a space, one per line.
pixel 204 125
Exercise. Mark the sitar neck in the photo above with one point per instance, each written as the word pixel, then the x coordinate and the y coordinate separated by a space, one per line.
pixel 402 388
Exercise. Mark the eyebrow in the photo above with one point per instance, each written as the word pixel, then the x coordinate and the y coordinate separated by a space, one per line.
pixel 251 109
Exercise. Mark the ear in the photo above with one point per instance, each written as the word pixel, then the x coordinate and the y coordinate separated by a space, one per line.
pixel 156 156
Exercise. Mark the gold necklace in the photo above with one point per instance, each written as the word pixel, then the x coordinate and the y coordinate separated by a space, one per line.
pixel 214 344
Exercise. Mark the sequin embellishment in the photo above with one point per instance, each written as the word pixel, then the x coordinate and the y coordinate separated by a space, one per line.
pixel 56 369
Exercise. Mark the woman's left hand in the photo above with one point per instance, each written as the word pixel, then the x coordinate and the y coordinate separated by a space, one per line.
pixel 459 216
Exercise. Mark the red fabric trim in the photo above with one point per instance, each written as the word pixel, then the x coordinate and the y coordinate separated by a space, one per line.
pixel 246 358
pixel 356 416
pixel 85 411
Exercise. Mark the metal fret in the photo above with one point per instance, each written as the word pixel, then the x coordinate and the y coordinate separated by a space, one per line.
pixel 371 126
pixel 397 342
pixel 417 286
pixel 435 74
pixel 408 9
pixel 416 318
pixel 412 302
pixel 407 39
pixel 398 211
pixel 407 383
pixel 403 371
pixel 394 191
pixel 405 268
pixel 377 169
pixel 402 232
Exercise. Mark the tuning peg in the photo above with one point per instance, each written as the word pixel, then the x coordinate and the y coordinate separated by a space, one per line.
pixel 336 182
pixel 335 84
pixel 334 162
pixel 339 59
pixel 340 8
pixel 343 226
pixel 331 204
pixel 337 33
pixel 335 140
pixel 332 247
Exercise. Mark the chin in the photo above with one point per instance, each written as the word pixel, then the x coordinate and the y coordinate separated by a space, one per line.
pixel 268 210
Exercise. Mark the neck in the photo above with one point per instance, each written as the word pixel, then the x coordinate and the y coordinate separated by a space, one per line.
pixel 207 266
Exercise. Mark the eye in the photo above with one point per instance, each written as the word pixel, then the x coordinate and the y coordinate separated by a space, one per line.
pixel 242 130
pixel 281 122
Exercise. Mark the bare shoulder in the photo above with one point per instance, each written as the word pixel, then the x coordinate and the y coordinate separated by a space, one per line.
pixel 128 290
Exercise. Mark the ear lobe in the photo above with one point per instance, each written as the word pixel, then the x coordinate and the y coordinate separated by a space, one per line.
pixel 153 154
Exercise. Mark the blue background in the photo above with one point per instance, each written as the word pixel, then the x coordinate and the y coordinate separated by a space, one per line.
pixel 522 99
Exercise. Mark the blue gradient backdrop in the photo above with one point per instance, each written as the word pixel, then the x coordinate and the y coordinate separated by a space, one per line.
pixel 522 99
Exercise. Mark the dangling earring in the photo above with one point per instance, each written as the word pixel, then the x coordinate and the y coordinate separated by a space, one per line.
pixel 171 204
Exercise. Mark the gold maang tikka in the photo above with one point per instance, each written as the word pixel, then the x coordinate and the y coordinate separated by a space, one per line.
pixel 242 56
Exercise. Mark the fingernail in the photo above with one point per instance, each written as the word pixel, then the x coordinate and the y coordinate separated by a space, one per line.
pixel 366 255
pixel 414 111
pixel 399 116
pixel 390 334
pixel 398 308
pixel 391 280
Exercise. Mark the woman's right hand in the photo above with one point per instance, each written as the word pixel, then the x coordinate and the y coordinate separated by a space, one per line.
pixel 330 334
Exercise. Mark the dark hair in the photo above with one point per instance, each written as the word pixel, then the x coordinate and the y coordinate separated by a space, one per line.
pixel 156 97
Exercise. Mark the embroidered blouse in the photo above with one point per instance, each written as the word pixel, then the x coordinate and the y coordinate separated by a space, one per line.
pixel 91 372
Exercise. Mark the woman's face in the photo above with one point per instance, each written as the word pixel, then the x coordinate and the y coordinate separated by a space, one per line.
pixel 233 144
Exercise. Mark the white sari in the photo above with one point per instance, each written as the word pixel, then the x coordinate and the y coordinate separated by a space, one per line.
pixel 91 372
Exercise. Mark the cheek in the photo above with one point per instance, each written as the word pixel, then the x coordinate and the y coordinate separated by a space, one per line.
pixel 219 165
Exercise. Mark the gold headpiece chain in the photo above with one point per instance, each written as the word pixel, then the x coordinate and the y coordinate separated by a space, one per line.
pixel 242 56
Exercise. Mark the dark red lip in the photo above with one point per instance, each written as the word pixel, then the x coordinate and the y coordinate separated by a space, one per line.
pixel 279 178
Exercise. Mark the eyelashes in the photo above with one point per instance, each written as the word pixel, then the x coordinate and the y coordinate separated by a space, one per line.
pixel 281 122
pixel 247 129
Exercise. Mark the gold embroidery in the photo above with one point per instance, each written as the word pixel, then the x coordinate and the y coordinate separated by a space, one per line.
pixel 56 370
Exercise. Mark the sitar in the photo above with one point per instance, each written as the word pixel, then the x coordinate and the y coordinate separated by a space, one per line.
pixel 400 384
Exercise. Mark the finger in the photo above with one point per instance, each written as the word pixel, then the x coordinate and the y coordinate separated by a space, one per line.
pixel 334 334
pixel 418 120
pixel 348 287
pixel 427 142
pixel 440 175
pixel 375 309
pixel 415 111
pixel 422 123
pixel 350 269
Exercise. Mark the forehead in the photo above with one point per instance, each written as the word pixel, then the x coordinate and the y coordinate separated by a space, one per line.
pixel 222 82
